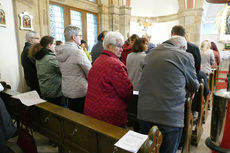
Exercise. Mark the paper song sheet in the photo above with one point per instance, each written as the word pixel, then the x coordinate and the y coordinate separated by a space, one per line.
pixel 131 141
pixel 135 92
pixel 29 98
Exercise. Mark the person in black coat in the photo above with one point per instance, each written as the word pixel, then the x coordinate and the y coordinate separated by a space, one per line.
pixel 192 48
pixel 28 63
pixel 97 48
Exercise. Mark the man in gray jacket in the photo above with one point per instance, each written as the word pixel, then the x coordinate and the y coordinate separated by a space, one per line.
pixel 168 73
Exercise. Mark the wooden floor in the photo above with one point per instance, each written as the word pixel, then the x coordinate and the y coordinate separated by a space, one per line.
pixel 44 146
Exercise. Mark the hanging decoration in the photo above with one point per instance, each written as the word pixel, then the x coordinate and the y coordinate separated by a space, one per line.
pixel 145 25
pixel 2 16
pixel 26 21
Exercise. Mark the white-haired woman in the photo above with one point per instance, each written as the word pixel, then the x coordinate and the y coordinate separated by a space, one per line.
pixel 207 57
pixel 74 66
pixel 109 87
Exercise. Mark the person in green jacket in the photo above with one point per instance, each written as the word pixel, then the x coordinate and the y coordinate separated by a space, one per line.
pixel 48 72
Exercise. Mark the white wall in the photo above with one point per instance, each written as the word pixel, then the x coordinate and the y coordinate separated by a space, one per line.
pixel 154 7
pixel 9 67
pixel 159 31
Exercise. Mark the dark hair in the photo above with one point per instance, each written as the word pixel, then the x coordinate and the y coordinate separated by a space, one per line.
pixel 101 35
pixel 46 40
pixel 138 45
pixel 214 47
pixel 83 42
pixel 178 30
pixel 132 38
pixel 58 42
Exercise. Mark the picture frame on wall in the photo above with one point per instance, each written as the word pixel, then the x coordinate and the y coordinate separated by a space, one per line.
pixel 2 16
pixel 26 21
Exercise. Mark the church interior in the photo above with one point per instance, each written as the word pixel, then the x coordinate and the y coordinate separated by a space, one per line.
pixel 201 19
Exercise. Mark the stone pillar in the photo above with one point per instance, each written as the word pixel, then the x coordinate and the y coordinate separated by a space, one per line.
pixel 191 20
pixel 125 15
pixel 114 18
pixel 103 17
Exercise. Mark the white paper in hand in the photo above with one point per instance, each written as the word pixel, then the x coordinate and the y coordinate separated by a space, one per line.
pixel 131 141
pixel 29 98
pixel 1 87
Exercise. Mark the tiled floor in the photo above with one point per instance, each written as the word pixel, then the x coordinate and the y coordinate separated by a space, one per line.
pixel 43 145
pixel 42 142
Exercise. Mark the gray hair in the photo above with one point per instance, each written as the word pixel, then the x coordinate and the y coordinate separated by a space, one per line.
pixel 70 31
pixel 179 41
pixel 30 35
pixel 112 38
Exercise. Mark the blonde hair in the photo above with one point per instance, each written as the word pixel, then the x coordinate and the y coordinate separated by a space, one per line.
pixel 205 46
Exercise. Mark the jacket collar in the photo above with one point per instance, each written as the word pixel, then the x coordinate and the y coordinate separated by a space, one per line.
pixel 42 53
pixel 108 53
pixel 73 43
pixel 169 42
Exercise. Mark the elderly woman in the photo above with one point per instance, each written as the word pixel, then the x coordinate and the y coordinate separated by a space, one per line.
pixel 207 57
pixel 135 61
pixel 74 66
pixel 109 87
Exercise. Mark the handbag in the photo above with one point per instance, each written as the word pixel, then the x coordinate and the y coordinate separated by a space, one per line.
pixel 25 138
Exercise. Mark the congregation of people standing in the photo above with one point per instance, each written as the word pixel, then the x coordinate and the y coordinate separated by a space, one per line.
pixel 163 75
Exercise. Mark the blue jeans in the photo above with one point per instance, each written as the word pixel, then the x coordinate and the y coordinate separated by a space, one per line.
pixel 171 135
pixel 7 128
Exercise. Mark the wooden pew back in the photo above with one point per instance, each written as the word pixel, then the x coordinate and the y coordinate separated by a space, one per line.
pixel 72 131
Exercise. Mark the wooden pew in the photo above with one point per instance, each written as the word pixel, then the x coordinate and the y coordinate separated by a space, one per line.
pixel 132 113
pixel 211 88
pixel 187 132
pixel 198 109
pixel 208 100
pixel 72 131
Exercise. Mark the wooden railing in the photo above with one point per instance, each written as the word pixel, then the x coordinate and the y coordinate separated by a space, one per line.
pixel 72 131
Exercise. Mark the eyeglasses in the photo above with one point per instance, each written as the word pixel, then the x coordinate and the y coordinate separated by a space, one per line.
pixel 36 38
pixel 119 47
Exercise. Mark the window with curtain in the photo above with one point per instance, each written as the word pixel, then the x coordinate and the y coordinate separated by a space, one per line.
pixel 57 22
pixel 92 0
pixel 91 30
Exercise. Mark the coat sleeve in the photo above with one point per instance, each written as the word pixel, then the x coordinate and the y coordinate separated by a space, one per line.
pixel 212 58
pixel 54 63
pixel 192 84
pixel 121 82
pixel 85 64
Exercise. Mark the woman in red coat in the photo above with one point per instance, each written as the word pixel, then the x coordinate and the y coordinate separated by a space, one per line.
pixel 109 87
